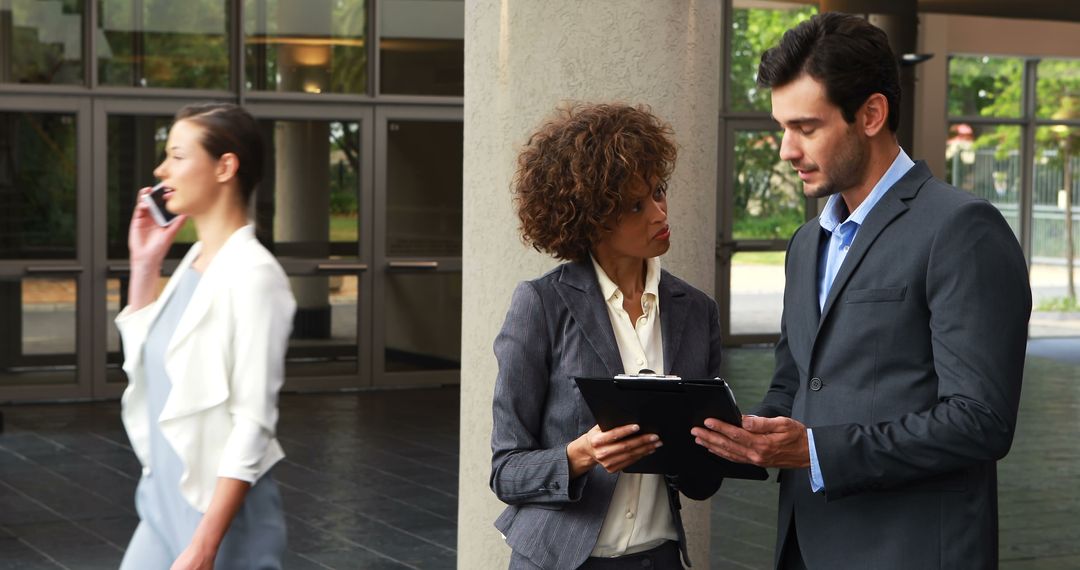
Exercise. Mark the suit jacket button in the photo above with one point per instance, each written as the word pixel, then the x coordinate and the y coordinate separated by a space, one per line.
pixel 555 485
pixel 815 384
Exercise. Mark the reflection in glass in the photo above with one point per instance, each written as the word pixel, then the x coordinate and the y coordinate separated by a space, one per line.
pixel 37 341
pixel 324 337
pixel 985 160
pixel 753 30
pixel 136 147
pixel 48 37
pixel 423 188
pixel 1058 89
pixel 423 321
pixel 163 43
pixel 985 86
pixel 757 292
pixel 1055 231
pixel 313 208
pixel 768 196
pixel 37 186
pixel 317 46
pixel 422 47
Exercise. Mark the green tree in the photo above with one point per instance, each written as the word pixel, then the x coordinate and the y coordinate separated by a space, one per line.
pixel 768 199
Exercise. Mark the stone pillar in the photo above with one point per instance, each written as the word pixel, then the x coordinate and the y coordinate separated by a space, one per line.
pixel 899 19
pixel 302 169
pixel 522 59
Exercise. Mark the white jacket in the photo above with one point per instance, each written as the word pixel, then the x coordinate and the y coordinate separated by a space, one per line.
pixel 226 362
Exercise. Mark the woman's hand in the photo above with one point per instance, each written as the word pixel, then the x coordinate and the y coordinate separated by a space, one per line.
pixel 615 450
pixel 148 242
pixel 195 557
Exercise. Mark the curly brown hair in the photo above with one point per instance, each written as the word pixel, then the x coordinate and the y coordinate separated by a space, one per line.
pixel 575 172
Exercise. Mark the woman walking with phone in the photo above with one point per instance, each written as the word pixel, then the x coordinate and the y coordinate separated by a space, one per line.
pixel 205 359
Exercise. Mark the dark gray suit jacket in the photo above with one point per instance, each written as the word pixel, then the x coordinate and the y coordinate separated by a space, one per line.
pixel 557 328
pixel 910 378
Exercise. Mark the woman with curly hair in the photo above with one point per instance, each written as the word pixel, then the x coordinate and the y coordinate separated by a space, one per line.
pixel 591 189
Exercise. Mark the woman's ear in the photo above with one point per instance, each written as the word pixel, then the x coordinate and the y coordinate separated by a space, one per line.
pixel 227 167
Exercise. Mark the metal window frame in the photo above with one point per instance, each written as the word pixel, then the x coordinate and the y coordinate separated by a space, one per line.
pixel 79 266
pixel 726 245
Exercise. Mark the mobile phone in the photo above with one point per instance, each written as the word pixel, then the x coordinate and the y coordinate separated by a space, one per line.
pixel 156 201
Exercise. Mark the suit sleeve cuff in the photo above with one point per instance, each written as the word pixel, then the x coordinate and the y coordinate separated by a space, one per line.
pixel 817 483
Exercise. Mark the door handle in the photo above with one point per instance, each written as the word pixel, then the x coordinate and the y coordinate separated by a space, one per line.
pixel 342 267
pixel 428 265
pixel 53 269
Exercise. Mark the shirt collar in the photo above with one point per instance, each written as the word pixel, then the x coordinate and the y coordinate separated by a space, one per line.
pixel 652 279
pixel 834 207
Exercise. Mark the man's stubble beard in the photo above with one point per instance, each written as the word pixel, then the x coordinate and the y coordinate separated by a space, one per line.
pixel 848 168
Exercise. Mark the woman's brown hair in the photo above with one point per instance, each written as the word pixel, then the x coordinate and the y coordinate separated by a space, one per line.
pixel 575 171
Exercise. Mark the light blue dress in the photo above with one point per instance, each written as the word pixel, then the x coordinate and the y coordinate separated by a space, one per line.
pixel 255 539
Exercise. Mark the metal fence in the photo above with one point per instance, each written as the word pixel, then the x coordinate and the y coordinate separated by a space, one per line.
pixel 997 179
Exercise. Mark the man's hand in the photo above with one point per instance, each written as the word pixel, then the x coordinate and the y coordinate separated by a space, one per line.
pixel 614 450
pixel 766 442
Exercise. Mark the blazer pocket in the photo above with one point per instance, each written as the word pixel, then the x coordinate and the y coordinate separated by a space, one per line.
pixel 885 295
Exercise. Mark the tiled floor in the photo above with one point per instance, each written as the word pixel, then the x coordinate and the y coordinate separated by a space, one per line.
pixel 371 480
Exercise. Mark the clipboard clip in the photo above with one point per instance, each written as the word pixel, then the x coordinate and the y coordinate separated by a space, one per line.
pixel 646 374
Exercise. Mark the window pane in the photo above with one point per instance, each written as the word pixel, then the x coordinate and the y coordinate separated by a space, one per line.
pixel 422 47
pixel 48 34
pixel 423 188
pixel 985 160
pixel 308 204
pixel 1055 231
pixel 985 86
pixel 1058 89
pixel 768 197
pixel 163 44
pixel 136 147
pixel 755 29
pixel 317 46
pixel 37 341
pixel 423 322
pixel 757 292
pixel 37 186
pixel 324 336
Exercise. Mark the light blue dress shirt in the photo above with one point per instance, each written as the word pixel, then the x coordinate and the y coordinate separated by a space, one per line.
pixel 841 236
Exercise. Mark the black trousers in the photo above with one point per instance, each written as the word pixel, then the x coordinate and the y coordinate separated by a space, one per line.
pixel 663 557
pixel 791 556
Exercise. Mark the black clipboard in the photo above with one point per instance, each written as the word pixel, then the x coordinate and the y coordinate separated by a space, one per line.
pixel 668 406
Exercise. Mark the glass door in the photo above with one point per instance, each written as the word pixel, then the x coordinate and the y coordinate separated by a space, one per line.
pixel 314 212
pixel 761 206
pixel 418 205
pixel 44 283
pixel 310 211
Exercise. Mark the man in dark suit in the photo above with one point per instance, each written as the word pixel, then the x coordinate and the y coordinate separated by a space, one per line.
pixel 902 344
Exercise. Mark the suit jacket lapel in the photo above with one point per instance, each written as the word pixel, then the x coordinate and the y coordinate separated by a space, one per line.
pixel 891 206
pixel 674 305
pixel 808 253
pixel 579 290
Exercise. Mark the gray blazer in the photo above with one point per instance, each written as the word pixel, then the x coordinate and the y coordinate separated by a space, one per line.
pixel 557 328
pixel 910 378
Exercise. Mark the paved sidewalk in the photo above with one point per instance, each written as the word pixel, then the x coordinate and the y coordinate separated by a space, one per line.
pixel 371 480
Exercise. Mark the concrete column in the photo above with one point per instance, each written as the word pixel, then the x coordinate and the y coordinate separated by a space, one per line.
pixel 302 171
pixel 522 59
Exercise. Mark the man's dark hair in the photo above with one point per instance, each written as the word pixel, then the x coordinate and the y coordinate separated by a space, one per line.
pixel 848 55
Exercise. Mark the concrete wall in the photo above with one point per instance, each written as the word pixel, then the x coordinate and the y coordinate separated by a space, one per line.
pixel 522 59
